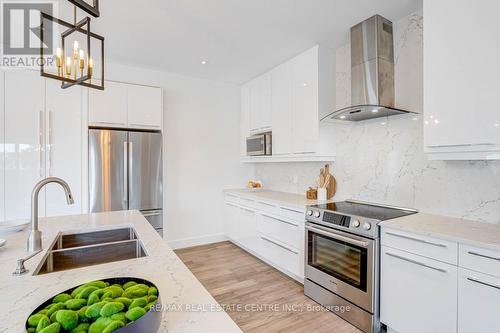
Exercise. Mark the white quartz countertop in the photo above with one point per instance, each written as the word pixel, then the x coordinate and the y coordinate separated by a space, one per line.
pixel 192 308
pixel 454 229
pixel 281 198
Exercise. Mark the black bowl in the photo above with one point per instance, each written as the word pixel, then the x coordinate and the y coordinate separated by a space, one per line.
pixel 149 323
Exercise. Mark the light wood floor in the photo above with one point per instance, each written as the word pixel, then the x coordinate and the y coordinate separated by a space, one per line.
pixel 233 277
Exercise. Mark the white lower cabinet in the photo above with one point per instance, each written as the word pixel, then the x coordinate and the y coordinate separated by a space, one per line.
pixel 478 302
pixel 261 228
pixel 418 294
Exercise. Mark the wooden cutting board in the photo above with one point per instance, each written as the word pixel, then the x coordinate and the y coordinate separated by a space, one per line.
pixel 332 186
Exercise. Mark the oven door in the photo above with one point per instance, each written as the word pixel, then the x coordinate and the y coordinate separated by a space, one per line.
pixel 342 263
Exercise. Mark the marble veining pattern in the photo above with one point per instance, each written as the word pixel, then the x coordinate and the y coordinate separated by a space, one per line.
pixel 382 160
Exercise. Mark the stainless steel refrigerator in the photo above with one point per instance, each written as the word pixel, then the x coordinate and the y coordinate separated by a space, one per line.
pixel 125 172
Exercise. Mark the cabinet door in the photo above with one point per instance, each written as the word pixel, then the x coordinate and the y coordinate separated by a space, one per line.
pixel 64 135
pixel 246 234
pixel 108 108
pixel 244 119
pixel 260 104
pixel 417 294
pixel 305 109
pixel 2 148
pixel 478 302
pixel 281 109
pixel 24 141
pixel 144 107
pixel 231 215
pixel 461 83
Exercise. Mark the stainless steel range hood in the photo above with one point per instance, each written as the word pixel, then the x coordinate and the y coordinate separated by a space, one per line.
pixel 372 72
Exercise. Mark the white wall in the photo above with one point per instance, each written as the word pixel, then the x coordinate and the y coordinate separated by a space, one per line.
pixel 201 151
pixel 383 161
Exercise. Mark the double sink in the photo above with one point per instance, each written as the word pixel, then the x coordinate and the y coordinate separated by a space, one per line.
pixel 77 250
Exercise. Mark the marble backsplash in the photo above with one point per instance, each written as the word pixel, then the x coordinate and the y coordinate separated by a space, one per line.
pixel 382 160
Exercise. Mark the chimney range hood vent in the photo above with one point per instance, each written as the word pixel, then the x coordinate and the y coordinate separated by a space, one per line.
pixel 372 72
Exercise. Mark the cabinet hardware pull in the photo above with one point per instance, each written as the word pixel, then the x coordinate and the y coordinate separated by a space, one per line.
pixel 266 204
pixel 40 142
pixel 144 125
pixel 338 237
pixel 233 205
pixel 108 123
pixel 277 244
pixel 416 239
pixel 462 145
pixel 483 283
pixel 278 219
pixel 125 171
pixel 247 209
pixel 483 255
pixel 416 262
pixel 292 210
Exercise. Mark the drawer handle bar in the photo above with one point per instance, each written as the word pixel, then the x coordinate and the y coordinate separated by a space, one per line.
pixel 416 262
pixel 266 204
pixel 292 210
pixel 277 219
pixel 415 239
pixel 483 283
pixel 483 255
pixel 240 207
pixel 277 244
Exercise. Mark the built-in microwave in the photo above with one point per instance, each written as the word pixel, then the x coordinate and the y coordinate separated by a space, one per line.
pixel 260 144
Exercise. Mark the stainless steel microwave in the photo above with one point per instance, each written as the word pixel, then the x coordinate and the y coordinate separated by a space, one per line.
pixel 260 145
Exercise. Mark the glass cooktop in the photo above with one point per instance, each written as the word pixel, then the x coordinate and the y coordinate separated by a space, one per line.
pixel 366 210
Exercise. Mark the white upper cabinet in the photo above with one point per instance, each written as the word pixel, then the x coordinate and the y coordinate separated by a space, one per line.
pixel 108 107
pixel 289 101
pixel 144 107
pixel 2 147
pixel 24 141
pixel 260 104
pixel 281 109
pixel 124 105
pixel 461 79
pixel 64 152
pixel 244 119
pixel 305 99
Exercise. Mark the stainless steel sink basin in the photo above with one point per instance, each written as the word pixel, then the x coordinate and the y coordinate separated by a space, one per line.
pixel 66 241
pixel 71 251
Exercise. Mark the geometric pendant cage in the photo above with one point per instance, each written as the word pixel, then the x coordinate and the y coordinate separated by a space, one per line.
pixel 80 58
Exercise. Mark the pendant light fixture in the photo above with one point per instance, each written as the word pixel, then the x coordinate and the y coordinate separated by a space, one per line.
pixel 80 51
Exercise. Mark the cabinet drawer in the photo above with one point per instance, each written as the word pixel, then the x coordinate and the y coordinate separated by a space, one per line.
pixel 479 259
pixel 413 286
pixel 240 200
pixel 422 245
pixel 281 255
pixel 267 207
pixel 478 302
pixel 285 230
pixel 296 214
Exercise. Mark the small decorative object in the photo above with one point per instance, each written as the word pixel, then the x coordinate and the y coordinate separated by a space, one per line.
pixel 120 305
pixel 327 183
pixel 74 65
pixel 254 185
pixel 322 194
pixel 312 193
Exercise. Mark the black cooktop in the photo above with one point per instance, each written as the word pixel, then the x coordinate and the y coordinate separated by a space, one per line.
pixel 366 210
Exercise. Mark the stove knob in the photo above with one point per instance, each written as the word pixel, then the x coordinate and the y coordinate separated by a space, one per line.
pixel 367 226
pixel 317 214
pixel 309 212
pixel 355 223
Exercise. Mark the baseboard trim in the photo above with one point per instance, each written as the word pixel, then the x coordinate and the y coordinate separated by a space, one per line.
pixel 195 241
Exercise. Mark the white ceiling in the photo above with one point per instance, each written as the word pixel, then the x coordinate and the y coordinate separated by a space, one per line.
pixel 239 38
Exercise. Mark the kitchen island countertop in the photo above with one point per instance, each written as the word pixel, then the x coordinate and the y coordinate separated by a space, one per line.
pixel 188 307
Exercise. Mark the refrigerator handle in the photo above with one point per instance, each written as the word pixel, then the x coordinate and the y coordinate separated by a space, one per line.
pixel 125 172
pixel 129 157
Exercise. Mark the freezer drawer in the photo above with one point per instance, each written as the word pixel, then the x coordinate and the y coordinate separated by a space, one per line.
pixel 154 217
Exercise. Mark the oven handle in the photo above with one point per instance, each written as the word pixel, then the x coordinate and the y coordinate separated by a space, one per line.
pixel 338 237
